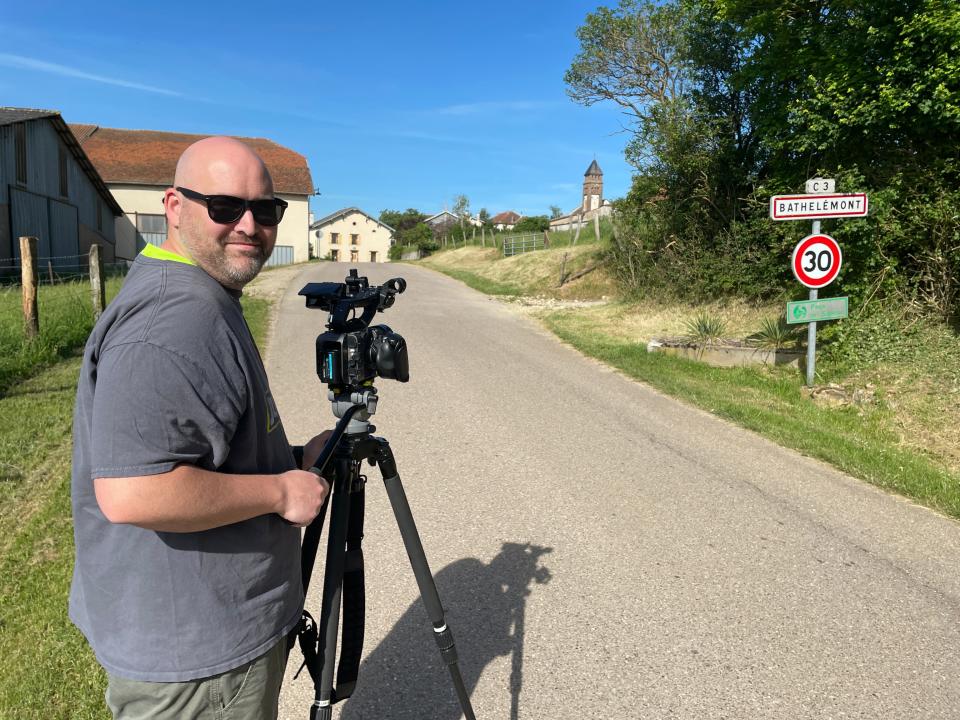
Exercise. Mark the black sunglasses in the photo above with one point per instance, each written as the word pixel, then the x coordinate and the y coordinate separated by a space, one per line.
pixel 226 209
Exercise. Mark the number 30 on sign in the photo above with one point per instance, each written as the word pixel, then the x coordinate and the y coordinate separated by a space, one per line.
pixel 816 260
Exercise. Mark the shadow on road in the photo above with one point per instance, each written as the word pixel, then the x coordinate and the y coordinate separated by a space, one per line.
pixel 404 677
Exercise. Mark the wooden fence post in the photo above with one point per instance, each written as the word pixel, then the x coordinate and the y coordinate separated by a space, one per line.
pixel 546 238
pixel 579 225
pixel 596 225
pixel 97 288
pixel 29 279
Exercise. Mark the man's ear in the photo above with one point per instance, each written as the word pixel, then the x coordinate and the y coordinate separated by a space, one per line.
pixel 171 207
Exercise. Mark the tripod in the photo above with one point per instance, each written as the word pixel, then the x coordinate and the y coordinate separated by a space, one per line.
pixel 351 444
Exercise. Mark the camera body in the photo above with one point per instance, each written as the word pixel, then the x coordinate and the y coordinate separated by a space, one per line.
pixel 352 354
pixel 355 358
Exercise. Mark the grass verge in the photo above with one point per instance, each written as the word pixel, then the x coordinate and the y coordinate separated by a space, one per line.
pixel 47 670
pixel 769 402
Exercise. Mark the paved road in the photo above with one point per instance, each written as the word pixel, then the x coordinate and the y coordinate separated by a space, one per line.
pixel 606 552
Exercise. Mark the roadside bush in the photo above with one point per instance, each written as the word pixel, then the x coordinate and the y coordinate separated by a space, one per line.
pixel 534 223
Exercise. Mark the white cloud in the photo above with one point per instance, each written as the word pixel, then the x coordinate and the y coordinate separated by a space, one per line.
pixel 493 106
pixel 25 63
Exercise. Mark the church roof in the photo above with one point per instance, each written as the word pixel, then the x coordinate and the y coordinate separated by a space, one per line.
pixel 594 169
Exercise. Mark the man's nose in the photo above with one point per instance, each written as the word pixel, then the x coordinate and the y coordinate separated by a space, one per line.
pixel 246 224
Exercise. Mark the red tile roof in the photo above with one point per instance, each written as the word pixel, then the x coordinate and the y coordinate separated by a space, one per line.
pixel 507 218
pixel 149 157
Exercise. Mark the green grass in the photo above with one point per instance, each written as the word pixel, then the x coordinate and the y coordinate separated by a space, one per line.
pixel 66 317
pixel 484 285
pixel 47 670
pixel 770 403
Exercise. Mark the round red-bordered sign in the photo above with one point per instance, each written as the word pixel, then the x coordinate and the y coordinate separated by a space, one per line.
pixel 816 260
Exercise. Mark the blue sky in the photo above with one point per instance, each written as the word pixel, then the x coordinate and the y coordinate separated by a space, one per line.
pixel 394 105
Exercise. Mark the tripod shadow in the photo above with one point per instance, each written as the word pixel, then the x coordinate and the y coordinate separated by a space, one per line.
pixel 404 678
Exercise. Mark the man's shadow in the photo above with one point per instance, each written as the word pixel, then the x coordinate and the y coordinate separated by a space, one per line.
pixel 404 678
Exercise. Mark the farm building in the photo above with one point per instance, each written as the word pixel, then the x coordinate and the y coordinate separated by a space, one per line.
pixel 50 190
pixel 138 165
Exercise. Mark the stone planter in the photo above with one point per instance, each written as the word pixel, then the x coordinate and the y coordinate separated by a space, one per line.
pixel 727 353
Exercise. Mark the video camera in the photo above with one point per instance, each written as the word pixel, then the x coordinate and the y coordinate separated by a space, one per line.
pixel 351 354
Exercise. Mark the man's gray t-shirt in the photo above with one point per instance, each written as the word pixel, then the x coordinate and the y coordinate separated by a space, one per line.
pixel 171 375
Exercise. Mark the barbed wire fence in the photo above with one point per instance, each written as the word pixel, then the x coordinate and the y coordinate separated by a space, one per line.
pixel 60 289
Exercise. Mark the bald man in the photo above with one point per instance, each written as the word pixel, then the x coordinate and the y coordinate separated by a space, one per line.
pixel 186 494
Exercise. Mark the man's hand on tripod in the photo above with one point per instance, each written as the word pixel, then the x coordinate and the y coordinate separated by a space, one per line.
pixel 302 496
pixel 304 491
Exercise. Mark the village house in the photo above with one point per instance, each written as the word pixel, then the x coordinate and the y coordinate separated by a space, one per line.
pixel 506 220
pixel 442 222
pixel 592 203
pixel 50 190
pixel 351 235
pixel 138 165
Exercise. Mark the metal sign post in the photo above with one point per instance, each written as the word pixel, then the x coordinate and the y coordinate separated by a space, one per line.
pixel 821 252
pixel 812 328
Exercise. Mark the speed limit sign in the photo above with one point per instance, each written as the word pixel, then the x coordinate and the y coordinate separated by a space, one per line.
pixel 816 260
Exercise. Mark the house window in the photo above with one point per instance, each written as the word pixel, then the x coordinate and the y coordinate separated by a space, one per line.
pixel 373 256
pixel 354 239
pixel 334 238
pixel 64 190
pixel 20 150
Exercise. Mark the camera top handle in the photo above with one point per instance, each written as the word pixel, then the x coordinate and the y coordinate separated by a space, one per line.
pixel 339 299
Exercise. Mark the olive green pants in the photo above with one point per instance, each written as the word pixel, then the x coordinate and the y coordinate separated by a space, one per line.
pixel 249 692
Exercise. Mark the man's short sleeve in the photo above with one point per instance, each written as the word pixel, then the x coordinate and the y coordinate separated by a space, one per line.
pixel 154 409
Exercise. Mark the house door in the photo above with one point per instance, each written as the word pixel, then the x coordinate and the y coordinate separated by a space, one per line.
pixel 354 256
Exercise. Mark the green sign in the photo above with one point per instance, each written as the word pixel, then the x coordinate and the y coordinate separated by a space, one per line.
pixel 807 311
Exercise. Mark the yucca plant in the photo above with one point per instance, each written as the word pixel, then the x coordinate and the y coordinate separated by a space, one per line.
pixel 774 334
pixel 704 329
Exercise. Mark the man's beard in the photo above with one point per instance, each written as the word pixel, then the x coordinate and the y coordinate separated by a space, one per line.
pixel 232 271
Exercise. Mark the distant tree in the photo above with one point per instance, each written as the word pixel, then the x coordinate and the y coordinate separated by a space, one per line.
pixel 410 229
pixel 402 221
pixel 555 212
pixel 461 208
pixel 484 216
pixel 421 236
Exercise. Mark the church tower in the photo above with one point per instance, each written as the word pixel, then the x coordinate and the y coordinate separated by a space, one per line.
pixel 592 187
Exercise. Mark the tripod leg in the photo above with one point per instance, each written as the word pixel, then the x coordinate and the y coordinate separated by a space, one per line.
pixel 333 586
pixel 418 561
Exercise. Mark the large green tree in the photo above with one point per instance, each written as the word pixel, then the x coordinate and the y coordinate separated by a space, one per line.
pixel 730 101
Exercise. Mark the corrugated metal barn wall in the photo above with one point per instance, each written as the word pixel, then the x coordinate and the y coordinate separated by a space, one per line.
pixel 39 209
